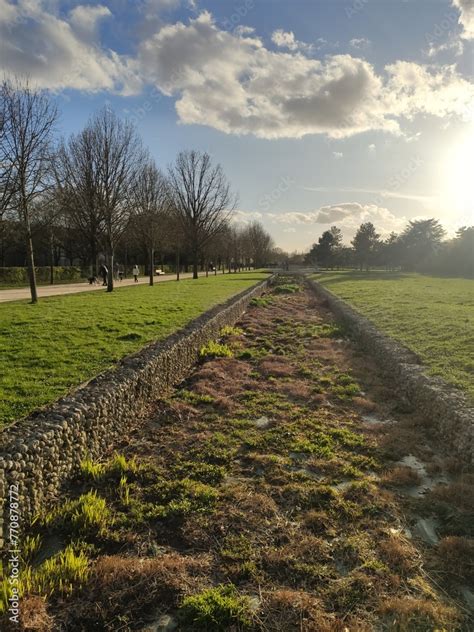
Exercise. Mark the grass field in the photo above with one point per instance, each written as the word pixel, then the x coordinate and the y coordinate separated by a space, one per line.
pixel 433 316
pixel 46 349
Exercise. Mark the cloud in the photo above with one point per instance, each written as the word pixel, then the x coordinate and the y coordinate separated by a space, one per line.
pixel 245 217
pixel 337 155
pixel 56 53
pixel 84 18
pixel 372 148
pixel 360 43
pixel 348 215
pixel 466 18
pixel 454 46
pixel 238 86
pixel 229 81
pixel 286 39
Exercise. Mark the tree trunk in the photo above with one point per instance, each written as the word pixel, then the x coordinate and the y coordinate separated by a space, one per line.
pixel 30 260
pixel 51 262
pixel 110 273
pixel 152 265
pixel 94 265
pixel 195 264
pixel 178 265
pixel 207 268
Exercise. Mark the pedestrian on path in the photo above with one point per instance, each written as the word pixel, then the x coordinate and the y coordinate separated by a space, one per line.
pixel 103 271
pixel 135 272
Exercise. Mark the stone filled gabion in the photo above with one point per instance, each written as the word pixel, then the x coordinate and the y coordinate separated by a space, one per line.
pixel 447 410
pixel 41 452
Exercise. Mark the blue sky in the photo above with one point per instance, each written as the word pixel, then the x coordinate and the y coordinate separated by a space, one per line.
pixel 321 111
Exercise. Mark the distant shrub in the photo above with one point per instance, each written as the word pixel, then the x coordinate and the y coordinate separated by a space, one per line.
pixel 19 276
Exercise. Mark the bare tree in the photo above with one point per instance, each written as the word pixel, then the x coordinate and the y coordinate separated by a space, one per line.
pixel 29 119
pixel 118 155
pixel 258 243
pixel 202 198
pixel 150 201
pixel 77 177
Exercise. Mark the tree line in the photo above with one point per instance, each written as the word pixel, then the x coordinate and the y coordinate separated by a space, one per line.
pixel 421 247
pixel 99 195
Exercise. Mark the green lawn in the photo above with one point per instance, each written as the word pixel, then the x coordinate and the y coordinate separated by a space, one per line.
pixel 433 316
pixel 46 349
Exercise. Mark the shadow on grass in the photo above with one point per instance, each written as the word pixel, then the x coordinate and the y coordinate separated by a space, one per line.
pixel 331 278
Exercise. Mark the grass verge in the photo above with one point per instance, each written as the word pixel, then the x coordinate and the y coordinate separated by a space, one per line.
pixel 48 348
pixel 433 316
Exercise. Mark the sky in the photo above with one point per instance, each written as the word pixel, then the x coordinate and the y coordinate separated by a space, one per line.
pixel 321 112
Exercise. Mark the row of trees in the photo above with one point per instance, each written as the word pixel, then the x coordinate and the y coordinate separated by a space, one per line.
pixel 420 247
pixel 100 191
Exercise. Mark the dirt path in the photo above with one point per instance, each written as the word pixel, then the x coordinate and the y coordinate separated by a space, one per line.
pixel 279 488
pixel 22 293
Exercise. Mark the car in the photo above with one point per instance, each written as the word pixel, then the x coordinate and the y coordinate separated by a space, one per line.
pixel 159 272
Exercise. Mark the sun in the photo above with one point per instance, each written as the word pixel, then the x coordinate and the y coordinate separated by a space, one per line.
pixel 457 177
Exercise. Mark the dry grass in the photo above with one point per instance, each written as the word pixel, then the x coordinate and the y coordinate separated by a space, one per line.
pixel 460 493
pixel 408 614
pixel 399 554
pixel 402 476
pixel 457 555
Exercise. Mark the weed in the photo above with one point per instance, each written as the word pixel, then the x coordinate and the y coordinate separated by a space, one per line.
pixel 87 515
pixel 228 330
pixel 261 301
pixel 216 609
pixel 90 470
pixel 287 288
pixel 215 350
pixel 191 397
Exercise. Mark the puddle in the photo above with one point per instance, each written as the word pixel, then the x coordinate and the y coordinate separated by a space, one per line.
pixel 427 482
pixel 164 623
pixel 425 529
pixel 373 420
pixel 262 422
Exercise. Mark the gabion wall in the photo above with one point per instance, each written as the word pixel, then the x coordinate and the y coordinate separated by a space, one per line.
pixel 40 453
pixel 448 411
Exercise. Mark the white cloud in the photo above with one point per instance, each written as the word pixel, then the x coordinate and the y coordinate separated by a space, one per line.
pixel 466 18
pixel 360 43
pixel 372 148
pixel 228 80
pixel 245 217
pixel 453 45
pixel 348 215
pixel 236 85
pixel 57 54
pixel 84 18
pixel 337 155
pixel 286 39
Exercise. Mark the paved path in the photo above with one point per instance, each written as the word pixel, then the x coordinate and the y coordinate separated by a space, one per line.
pixel 18 294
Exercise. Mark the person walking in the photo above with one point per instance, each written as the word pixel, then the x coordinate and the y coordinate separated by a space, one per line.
pixel 103 271
pixel 135 272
